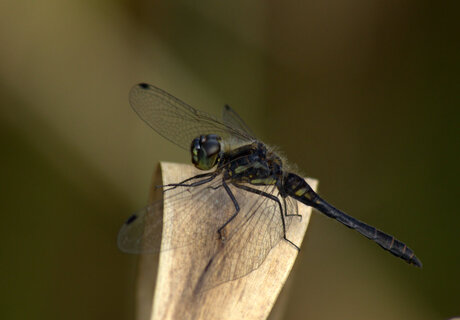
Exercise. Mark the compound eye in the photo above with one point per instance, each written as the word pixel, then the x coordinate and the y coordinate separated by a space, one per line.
pixel 205 151
pixel 211 145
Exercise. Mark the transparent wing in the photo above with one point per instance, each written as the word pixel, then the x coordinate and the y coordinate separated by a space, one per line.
pixel 233 120
pixel 255 231
pixel 196 217
pixel 177 121
pixel 199 213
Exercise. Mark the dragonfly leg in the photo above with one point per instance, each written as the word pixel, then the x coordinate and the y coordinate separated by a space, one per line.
pixel 235 203
pixel 184 183
pixel 274 198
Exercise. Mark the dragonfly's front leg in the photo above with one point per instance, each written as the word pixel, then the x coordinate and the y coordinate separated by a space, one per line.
pixel 184 183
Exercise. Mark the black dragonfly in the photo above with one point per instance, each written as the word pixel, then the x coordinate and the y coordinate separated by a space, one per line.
pixel 245 230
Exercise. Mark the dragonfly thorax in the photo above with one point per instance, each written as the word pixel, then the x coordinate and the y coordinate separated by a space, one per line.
pixel 205 151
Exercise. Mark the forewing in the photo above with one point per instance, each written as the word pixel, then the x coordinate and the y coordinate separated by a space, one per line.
pixel 175 120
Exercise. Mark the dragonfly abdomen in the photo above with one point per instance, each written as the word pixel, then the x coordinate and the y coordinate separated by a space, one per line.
pixel 299 189
pixel 386 241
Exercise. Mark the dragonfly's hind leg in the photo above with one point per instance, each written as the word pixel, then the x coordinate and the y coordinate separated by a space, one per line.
pixel 274 198
pixel 237 209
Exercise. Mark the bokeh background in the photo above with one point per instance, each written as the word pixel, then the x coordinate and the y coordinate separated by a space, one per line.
pixel 362 95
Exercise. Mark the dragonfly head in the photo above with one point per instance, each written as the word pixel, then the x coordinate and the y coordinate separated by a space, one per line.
pixel 206 151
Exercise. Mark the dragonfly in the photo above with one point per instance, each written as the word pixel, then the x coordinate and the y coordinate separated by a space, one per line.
pixel 235 164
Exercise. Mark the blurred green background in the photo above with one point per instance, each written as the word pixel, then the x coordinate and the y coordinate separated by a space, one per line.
pixel 362 95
